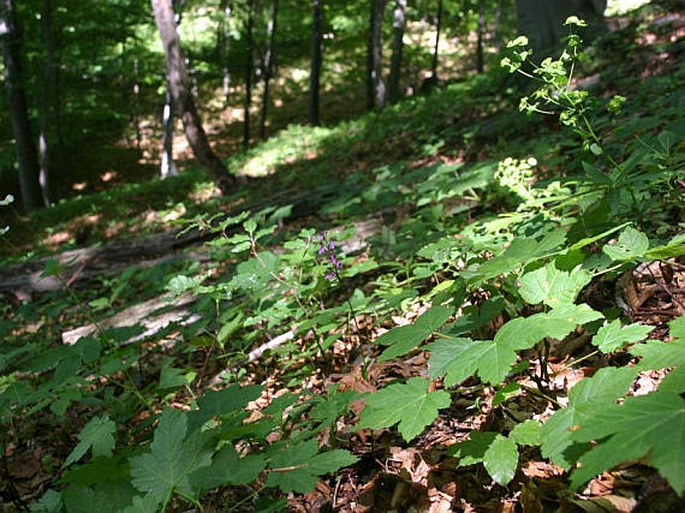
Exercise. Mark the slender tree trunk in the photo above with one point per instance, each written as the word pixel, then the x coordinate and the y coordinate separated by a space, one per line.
pixel 496 32
pixel 480 65
pixel 268 65
pixel 438 27
pixel 29 168
pixel 47 102
pixel 316 60
pixel 225 48
pixel 399 22
pixel 168 167
pixel 248 73
pixel 179 85
pixel 375 87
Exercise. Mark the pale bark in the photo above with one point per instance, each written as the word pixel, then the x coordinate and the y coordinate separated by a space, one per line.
pixel 180 87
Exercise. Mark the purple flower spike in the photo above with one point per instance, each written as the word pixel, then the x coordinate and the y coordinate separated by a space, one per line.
pixel 330 276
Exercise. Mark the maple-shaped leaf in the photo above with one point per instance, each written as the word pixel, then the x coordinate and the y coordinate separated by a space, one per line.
pixel 229 402
pixel 172 458
pixel 296 469
pixel 406 338
pixel 612 337
pixel 650 428
pixel 498 454
pixel 527 432
pixel 552 287
pixel 97 435
pixel 492 360
pixel 632 244
pixel 228 468
pixel 411 405
pixel 585 397
pixel 658 355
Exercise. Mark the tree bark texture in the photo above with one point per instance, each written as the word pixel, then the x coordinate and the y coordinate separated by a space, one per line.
pixel 542 20
pixel 168 167
pixel 46 104
pixel 316 60
pixel 249 70
pixel 436 49
pixel 375 87
pixel 225 47
pixel 480 61
pixel 27 158
pixel 180 87
pixel 398 26
pixel 268 65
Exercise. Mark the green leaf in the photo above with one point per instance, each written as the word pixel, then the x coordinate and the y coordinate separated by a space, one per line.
pixel 97 435
pixel 406 338
pixel 650 427
pixel 602 389
pixel 230 401
pixel 527 433
pixel 674 248
pixel 411 405
pixel 228 468
pixel 552 287
pixel 296 468
pixel 658 355
pixel 632 244
pixel 142 504
pixel 612 337
pixel 171 460
pixel 498 454
pixel 501 460
pixel 492 360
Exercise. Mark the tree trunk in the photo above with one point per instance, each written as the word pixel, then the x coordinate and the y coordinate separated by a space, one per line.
pixel 399 22
pixel 496 33
pixel 29 168
pixel 168 167
pixel 47 102
pixel 375 87
pixel 227 8
pixel 480 64
pixel 316 60
pixel 542 21
pixel 179 84
pixel 438 26
pixel 268 65
pixel 248 73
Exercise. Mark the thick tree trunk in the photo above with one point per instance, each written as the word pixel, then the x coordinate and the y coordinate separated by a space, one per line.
pixel 438 27
pixel 268 65
pixel 375 87
pixel 179 84
pixel 480 61
pixel 249 65
pixel 398 25
pixel 29 168
pixel 47 102
pixel 316 60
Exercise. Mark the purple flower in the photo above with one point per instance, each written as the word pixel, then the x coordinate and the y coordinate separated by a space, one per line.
pixel 327 248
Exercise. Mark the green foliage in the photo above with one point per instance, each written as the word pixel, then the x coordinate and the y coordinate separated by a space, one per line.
pixel 512 248
pixel 412 405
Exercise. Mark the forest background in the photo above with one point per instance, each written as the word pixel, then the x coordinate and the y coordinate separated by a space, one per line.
pixel 366 282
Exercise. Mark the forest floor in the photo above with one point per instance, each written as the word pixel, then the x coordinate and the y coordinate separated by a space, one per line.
pixel 375 185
